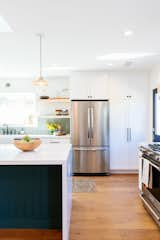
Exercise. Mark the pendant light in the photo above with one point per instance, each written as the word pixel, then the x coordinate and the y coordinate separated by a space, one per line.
pixel 40 81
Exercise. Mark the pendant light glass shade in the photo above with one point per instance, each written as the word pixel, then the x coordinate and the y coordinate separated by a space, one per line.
pixel 40 81
pixel 158 87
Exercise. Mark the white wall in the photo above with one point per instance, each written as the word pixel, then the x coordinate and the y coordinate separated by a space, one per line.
pixel 55 86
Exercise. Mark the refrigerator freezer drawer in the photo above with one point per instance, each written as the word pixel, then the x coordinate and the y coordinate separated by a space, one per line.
pixel 91 160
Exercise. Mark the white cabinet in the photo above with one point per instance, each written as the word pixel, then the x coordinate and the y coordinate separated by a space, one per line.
pixel 100 87
pixel 128 94
pixel 79 88
pixel 89 85
pixel 118 142
pixel 128 118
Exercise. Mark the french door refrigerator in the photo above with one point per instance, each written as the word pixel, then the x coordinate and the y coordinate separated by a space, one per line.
pixel 90 136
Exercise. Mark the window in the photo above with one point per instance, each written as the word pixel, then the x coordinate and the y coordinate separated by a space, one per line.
pixel 156 115
pixel 18 109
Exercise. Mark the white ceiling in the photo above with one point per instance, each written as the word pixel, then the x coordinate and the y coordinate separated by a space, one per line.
pixel 77 33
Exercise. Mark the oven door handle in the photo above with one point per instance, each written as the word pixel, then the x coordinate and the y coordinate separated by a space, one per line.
pixel 149 207
pixel 152 164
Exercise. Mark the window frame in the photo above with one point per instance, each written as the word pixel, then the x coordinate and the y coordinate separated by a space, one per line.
pixel 35 124
pixel 156 138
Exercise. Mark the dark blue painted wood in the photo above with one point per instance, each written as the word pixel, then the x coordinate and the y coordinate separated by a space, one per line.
pixel 31 197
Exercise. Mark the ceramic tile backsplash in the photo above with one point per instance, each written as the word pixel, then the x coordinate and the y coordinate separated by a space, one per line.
pixel 40 129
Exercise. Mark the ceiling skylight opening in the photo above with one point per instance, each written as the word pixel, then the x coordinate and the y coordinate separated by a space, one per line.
pixel 4 26
pixel 125 56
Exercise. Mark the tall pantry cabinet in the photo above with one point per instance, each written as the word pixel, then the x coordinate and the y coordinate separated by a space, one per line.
pixel 129 114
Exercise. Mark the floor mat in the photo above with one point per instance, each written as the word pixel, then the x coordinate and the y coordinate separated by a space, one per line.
pixel 80 186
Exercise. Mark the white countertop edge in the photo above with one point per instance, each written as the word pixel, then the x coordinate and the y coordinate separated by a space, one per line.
pixel 68 136
pixel 45 154
pixel 15 163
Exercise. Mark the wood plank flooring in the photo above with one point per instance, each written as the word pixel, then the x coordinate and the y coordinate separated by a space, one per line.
pixel 113 212
pixel 24 234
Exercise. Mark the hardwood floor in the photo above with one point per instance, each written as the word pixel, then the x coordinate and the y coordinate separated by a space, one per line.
pixel 24 234
pixel 113 212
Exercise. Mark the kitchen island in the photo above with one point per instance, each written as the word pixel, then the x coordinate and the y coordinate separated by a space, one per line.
pixel 36 188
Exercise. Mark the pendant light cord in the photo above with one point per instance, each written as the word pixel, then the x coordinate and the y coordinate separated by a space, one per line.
pixel 40 81
pixel 40 62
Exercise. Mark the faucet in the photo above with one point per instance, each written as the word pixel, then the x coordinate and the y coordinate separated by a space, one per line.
pixel 7 128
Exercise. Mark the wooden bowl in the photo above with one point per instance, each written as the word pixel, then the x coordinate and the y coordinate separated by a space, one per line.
pixel 27 146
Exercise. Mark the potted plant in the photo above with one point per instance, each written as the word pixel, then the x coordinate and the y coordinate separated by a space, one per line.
pixel 52 127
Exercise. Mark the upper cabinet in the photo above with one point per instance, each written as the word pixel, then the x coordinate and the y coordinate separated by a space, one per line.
pixel 89 85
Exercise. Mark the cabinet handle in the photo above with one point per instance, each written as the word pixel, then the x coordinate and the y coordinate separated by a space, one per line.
pixel 150 208
pixel 130 134
pixel 127 134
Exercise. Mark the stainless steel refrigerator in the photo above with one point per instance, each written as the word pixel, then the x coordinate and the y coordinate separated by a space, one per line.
pixel 90 136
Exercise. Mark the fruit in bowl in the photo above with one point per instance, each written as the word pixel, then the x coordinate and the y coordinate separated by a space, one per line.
pixel 27 143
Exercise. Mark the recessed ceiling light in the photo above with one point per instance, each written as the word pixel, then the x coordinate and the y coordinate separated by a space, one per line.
pixel 4 27
pixel 110 64
pixel 128 33
pixel 128 63
pixel 124 56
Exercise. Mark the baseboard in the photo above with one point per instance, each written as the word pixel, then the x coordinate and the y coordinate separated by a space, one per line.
pixel 123 171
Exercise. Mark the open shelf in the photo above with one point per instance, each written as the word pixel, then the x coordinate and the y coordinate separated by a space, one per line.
pixel 55 117
pixel 56 100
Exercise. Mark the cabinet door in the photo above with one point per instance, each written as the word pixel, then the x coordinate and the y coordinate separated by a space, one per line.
pixel 118 134
pixel 139 115
pixel 100 86
pixel 128 113
pixel 79 88
pixel 89 85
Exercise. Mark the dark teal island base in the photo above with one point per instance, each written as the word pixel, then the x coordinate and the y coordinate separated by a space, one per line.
pixel 31 196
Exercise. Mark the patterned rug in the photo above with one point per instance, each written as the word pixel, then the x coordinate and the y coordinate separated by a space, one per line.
pixel 83 185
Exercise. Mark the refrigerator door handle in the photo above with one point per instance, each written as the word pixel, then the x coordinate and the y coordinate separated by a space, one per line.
pixel 92 122
pixel 89 123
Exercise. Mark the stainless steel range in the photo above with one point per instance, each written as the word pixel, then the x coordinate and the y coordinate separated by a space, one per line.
pixel 149 179
pixel 151 152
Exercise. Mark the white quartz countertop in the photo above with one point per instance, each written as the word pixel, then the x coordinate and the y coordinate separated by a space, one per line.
pixel 45 154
